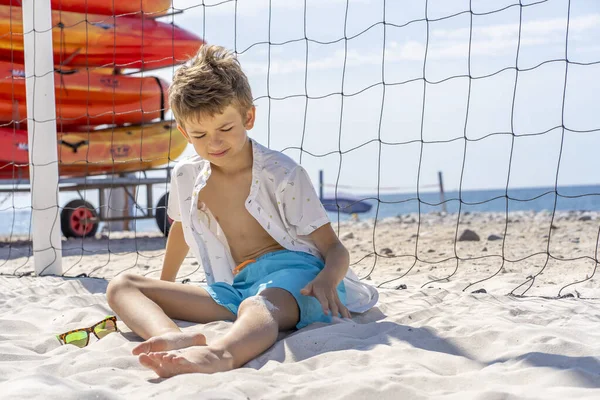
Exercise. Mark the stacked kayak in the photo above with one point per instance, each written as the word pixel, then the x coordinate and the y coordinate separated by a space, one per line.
pixel 87 98
pixel 89 40
pixel 108 122
pixel 106 151
pixel 105 7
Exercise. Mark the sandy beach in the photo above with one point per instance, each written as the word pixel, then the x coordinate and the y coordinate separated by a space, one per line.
pixel 435 333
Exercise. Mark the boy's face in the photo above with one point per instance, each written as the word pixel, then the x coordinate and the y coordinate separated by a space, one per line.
pixel 221 137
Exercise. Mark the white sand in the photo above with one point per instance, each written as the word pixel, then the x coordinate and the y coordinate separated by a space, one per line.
pixel 435 341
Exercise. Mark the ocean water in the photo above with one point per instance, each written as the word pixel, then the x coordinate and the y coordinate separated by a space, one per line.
pixel 17 219
pixel 567 198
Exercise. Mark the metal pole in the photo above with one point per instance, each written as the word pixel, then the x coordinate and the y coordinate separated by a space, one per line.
pixel 321 184
pixel 442 197
pixel 41 128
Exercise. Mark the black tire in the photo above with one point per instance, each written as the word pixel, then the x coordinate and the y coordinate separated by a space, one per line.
pixel 160 214
pixel 79 219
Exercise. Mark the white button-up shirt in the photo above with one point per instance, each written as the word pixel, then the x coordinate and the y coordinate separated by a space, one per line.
pixel 283 201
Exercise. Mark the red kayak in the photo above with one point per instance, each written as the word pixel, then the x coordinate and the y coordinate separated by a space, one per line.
pixel 90 40
pixel 118 150
pixel 87 98
pixel 105 7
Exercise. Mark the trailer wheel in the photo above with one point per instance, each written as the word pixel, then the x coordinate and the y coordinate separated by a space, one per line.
pixel 79 219
pixel 162 219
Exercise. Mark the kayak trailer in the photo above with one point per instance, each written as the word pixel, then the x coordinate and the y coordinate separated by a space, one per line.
pixel 79 218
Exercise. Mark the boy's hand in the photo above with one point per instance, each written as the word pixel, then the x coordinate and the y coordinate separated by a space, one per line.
pixel 324 289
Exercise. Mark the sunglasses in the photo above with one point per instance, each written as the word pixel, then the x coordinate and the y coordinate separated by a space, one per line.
pixel 81 337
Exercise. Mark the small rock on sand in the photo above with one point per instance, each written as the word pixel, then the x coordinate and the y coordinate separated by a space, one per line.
pixel 386 251
pixel 347 236
pixel 469 235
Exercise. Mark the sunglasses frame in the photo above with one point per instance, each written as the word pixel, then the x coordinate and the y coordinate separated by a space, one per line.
pixel 61 338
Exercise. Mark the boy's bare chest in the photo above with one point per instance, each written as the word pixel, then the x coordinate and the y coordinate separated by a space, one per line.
pixel 226 201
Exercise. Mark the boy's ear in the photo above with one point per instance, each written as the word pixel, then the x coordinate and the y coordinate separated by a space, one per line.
pixel 250 118
pixel 184 133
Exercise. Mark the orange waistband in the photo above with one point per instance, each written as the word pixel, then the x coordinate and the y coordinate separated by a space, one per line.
pixel 242 265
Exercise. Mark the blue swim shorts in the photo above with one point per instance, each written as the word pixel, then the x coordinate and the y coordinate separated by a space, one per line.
pixel 284 269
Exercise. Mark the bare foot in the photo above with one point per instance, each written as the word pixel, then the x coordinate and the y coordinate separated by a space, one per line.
pixel 201 359
pixel 170 341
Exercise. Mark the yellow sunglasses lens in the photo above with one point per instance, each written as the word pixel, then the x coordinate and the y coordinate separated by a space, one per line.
pixel 105 328
pixel 79 339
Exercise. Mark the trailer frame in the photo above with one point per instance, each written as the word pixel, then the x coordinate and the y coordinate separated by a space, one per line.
pixel 100 183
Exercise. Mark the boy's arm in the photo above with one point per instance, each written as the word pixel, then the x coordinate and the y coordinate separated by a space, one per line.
pixel 337 262
pixel 337 258
pixel 175 252
pixel 303 209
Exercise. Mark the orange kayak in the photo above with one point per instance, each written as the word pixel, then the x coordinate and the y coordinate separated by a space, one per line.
pixel 105 7
pixel 84 98
pixel 102 41
pixel 124 149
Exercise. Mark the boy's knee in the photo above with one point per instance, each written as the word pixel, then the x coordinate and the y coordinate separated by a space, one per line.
pixel 120 283
pixel 277 304
pixel 257 303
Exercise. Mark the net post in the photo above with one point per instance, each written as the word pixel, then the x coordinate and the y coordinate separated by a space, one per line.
pixel 321 184
pixel 442 196
pixel 41 128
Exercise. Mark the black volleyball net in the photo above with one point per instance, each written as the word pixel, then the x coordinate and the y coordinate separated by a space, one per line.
pixel 455 139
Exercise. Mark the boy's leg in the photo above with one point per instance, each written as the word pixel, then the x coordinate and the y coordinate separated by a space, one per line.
pixel 255 330
pixel 147 305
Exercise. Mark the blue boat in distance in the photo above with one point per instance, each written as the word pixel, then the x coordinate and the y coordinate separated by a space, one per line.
pixel 344 205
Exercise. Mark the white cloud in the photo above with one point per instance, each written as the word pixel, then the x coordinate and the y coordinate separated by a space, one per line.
pixel 490 40
pixel 444 44
pixel 495 39
pixel 540 28
pixel 254 7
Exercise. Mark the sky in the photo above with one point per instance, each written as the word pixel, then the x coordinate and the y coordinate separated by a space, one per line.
pixel 390 128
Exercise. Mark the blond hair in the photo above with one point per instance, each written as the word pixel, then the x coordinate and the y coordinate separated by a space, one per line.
pixel 211 82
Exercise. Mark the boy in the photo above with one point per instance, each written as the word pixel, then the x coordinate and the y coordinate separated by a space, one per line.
pixel 271 258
